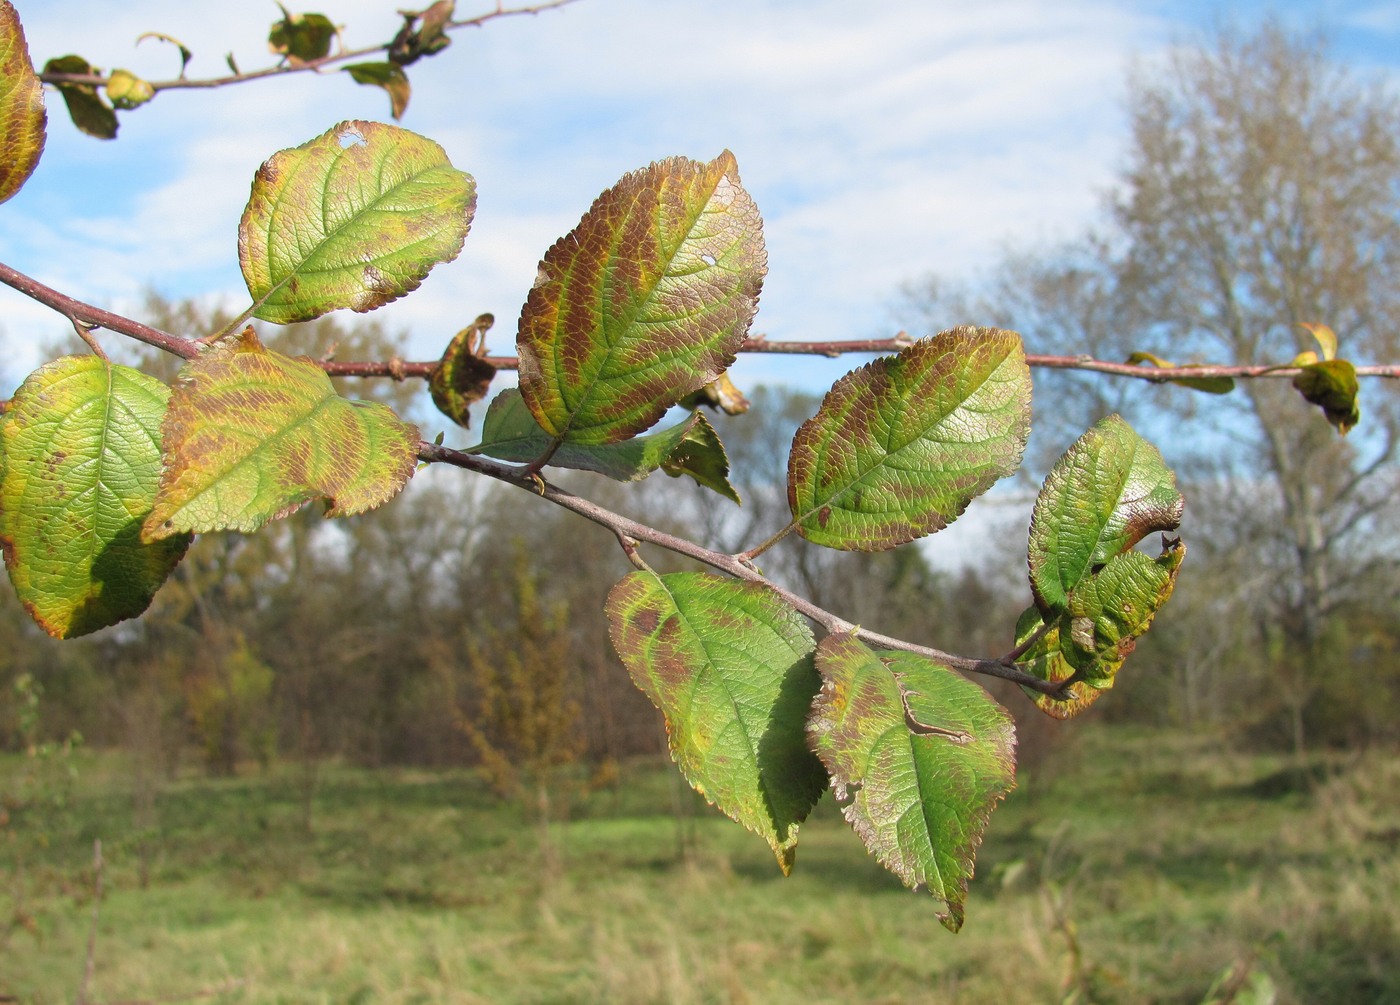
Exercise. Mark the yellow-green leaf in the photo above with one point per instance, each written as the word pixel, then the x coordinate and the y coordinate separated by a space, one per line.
pixel 125 90
pixel 81 461
pixel 252 435
pixel 918 757
pixel 1090 640
pixel 353 219
pixel 1326 339
pixel 22 116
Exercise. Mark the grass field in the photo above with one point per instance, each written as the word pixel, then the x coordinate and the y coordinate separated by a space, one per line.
pixel 1137 869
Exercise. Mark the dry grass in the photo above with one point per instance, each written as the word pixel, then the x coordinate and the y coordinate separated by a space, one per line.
pixel 1136 871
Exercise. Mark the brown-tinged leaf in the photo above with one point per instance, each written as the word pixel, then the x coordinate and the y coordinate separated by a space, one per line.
pixel 252 435
pixel 648 299
pixel 22 116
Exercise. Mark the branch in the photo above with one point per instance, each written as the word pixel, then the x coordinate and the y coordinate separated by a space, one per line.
pixel 314 65
pixel 626 529
pixel 79 313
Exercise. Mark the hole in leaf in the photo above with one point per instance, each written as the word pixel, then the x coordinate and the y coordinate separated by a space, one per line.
pixel 709 259
pixel 351 138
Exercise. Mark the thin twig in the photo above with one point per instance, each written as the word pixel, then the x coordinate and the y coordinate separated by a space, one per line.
pixel 308 66
pixel 300 66
pixel 734 565
pixel 77 311
pixel 397 369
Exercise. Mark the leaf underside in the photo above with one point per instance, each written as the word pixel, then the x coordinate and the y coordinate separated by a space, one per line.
pixel 900 446
pixel 86 108
pixel 355 218
pixel 918 758
pixel 729 664
pixel 510 433
pixel 252 435
pixel 648 299
pixel 81 449
pixel 22 115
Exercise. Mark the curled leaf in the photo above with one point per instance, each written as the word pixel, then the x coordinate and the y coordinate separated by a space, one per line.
pixel 185 54
pixel 462 377
pixel 1326 339
pixel 22 116
pixel 1109 491
pixel 1090 640
pixel 1331 385
pixel 125 90
pixel 422 34
pixel 719 393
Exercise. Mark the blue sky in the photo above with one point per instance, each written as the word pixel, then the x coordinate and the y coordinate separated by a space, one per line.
pixel 882 141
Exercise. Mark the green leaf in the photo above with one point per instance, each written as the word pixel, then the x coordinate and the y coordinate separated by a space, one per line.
pixel 902 445
pixel 1210 385
pixel 126 90
pixel 1109 491
pixel 389 76
pixel 81 460
pixel 301 38
pixel 252 435
pixel 22 116
pixel 86 108
pixel 422 34
pixel 729 664
pixel 1331 385
pixel 510 433
pixel 355 218
pixel 462 377
pixel 646 300
pixel 702 456
pixel 918 757
pixel 1091 639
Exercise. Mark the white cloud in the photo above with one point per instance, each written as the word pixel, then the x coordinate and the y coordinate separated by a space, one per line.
pixel 882 141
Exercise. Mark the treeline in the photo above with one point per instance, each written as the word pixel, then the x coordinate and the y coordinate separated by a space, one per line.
pixel 462 623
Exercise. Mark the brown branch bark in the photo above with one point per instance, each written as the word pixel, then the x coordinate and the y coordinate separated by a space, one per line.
pixel 626 529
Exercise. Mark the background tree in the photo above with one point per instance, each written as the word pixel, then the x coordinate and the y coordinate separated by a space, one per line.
pixel 1261 194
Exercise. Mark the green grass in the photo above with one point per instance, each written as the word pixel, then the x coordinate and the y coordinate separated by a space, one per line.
pixel 1167 858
